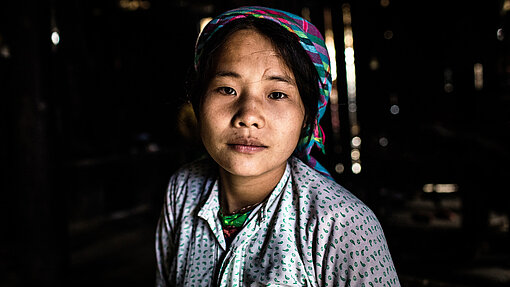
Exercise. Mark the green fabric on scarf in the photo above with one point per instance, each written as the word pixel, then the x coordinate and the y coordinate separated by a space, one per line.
pixel 235 220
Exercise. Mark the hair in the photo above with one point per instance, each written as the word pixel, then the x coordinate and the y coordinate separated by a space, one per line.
pixel 287 45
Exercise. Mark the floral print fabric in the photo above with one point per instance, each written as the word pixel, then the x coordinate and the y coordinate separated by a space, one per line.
pixel 310 232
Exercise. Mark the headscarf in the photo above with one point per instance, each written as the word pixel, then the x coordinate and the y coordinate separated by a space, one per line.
pixel 312 42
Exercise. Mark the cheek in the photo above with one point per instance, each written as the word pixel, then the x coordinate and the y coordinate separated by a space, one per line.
pixel 212 119
pixel 204 122
pixel 291 124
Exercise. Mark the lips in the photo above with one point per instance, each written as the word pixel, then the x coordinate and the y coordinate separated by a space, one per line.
pixel 247 145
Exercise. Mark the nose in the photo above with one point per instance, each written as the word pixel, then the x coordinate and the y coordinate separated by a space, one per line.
pixel 249 113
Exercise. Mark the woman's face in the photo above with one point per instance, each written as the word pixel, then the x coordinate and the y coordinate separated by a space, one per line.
pixel 251 115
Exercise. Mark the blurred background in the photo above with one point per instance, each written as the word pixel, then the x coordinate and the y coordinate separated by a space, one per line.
pixel 94 121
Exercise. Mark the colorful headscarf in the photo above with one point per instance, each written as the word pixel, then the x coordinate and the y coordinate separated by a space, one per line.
pixel 312 42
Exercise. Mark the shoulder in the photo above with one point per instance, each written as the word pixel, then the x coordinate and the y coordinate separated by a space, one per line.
pixel 344 230
pixel 330 203
pixel 321 190
pixel 191 178
pixel 195 169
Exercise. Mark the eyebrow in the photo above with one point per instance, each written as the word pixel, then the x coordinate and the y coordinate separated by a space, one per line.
pixel 278 78
pixel 281 78
pixel 227 74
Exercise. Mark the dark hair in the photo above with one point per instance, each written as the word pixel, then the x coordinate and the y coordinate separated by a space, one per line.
pixel 287 45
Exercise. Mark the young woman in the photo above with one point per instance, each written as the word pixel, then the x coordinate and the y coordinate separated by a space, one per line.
pixel 261 211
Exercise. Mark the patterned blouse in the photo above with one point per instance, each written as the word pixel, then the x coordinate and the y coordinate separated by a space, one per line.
pixel 309 232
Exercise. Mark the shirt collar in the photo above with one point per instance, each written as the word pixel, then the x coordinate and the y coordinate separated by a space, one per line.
pixel 209 212
pixel 275 194
pixel 213 204
pixel 210 208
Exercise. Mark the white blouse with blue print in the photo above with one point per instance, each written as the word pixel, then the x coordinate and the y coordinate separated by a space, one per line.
pixel 309 232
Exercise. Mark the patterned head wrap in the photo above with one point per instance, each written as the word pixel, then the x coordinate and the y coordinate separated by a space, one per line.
pixel 312 42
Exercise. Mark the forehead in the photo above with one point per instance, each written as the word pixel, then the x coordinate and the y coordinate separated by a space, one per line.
pixel 248 44
pixel 249 38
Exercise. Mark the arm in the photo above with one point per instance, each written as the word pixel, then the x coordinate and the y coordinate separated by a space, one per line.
pixel 165 245
pixel 356 252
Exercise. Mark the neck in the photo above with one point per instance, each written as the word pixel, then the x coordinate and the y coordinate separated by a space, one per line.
pixel 240 191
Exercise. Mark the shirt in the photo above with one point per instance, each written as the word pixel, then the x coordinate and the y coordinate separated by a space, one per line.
pixel 309 232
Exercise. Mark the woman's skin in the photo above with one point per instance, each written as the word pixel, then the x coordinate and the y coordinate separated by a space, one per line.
pixel 250 118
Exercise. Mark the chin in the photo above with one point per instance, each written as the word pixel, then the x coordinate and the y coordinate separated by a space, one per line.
pixel 253 168
pixel 243 169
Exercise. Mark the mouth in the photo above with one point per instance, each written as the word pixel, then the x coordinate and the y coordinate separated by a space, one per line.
pixel 247 145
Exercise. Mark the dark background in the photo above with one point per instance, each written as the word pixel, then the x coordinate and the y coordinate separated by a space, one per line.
pixel 92 128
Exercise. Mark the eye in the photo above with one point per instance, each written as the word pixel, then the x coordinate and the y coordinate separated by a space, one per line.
pixel 227 91
pixel 277 96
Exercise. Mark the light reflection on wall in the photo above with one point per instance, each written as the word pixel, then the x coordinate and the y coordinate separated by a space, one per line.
pixel 506 6
pixel 330 42
pixel 305 13
pixel 132 5
pixel 333 97
pixel 440 188
pixel 55 37
pixel 350 70
pixel 448 80
pixel 55 32
pixel 478 75
pixel 204 22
